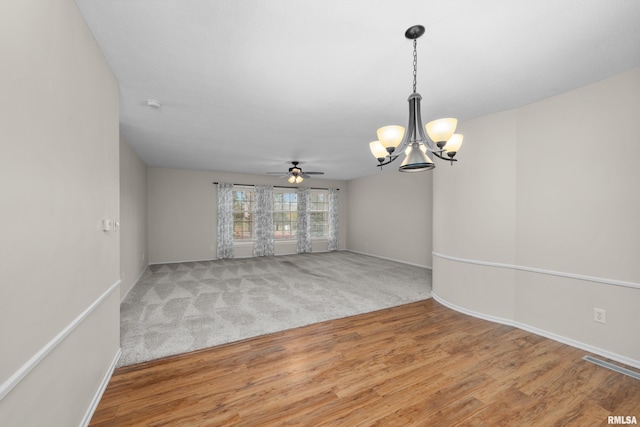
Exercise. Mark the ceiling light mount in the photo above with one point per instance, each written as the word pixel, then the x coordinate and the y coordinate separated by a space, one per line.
pixel 393 140
pixel 414 32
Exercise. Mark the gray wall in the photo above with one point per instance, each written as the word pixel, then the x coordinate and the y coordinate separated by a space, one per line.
pixel 59 299
pixel 390 215
pixel 539 222
pixel 133 217
pixel 182 213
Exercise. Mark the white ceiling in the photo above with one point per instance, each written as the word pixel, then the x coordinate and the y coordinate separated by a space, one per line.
pixel 249 85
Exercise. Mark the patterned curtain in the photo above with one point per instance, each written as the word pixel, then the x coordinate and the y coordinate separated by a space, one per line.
pixel 304 221
pixel 333 219
pixel 225 221
pixel 263 221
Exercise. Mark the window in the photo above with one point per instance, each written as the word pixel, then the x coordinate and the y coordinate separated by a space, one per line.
pixel 243 202
pixel 285 213
pixel 319 201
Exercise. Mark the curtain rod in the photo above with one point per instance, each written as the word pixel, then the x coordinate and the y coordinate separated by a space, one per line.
pixel 280 186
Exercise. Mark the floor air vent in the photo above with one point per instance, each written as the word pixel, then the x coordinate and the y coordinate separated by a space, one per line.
pixel 613 367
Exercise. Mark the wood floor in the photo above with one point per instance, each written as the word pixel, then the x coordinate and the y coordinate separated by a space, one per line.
pixel 419 364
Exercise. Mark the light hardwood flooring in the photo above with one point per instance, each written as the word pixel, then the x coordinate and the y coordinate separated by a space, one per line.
pixel 418 364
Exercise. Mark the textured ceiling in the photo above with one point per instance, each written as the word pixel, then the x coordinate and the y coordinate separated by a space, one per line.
pixel 249 85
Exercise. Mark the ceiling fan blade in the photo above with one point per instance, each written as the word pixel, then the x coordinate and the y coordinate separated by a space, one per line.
pixel 295 169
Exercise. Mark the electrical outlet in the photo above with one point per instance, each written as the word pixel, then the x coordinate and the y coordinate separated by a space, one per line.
pixel 599 315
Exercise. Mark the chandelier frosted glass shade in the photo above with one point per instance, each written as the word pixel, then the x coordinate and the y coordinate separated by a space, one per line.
pixel 453 144
pixel 390 136
pixel 378 150
pixel 441 130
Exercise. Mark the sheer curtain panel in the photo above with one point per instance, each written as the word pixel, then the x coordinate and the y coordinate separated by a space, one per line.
pixel 333 219
pixel 263 221
pixel 304 221
pixel 225 220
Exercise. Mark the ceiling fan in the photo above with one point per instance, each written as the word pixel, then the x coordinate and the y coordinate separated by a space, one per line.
pixel 295 174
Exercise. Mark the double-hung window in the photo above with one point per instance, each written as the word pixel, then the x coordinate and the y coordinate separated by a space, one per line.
pixel 285 213
pixel 319 202
pixel 243 209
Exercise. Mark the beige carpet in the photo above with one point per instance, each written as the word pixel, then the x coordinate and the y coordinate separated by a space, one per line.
pixel 175 308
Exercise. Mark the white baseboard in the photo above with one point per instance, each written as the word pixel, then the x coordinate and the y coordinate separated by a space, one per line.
pixel 390 259
pixel 181 262
pixel 564 340
pixel 28 366
pixel 245 257
pixel 135 282
pixel 103 386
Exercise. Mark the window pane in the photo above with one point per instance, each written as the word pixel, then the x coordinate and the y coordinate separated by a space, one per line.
pixel 319 213
pixel 243 201
pixel 283 215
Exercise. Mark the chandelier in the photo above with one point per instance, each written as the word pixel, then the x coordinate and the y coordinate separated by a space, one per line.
pixel 393 140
